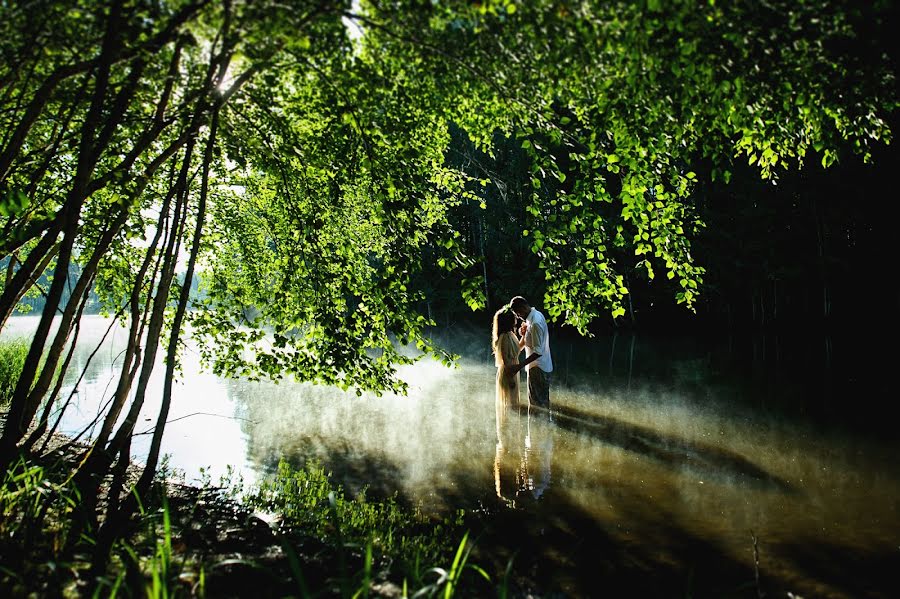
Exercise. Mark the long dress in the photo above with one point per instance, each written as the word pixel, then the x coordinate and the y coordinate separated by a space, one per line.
pixel 506 355
pixel 508 457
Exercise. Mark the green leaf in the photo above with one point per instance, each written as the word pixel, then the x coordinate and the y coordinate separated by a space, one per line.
pixel 13 203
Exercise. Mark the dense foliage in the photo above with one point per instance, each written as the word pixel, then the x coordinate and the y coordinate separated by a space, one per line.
pixel 12 356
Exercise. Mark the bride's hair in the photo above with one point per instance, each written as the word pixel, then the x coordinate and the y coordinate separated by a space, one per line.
pixel 504 322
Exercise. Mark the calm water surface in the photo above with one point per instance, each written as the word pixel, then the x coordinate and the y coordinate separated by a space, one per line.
pixel 658 470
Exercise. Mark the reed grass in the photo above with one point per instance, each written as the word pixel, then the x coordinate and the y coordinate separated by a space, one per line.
pixel 12 357
pixel 365 533
pixel 366 541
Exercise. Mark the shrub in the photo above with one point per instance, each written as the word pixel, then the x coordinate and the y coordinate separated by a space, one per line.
pixel 12 358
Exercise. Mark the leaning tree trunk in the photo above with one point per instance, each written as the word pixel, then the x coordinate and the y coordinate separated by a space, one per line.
pixel 61 375
pixel 217 67
pixel 18 284
pixel 183 299
pixel 99 458
pixel 132 359
pixel 69 318
pixel 62 410
pixel 18 419
pixel 117 516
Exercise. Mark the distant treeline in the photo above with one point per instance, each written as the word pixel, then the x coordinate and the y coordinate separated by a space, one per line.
pixel 33 301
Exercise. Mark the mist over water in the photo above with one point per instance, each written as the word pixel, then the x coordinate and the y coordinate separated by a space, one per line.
pixel 651 459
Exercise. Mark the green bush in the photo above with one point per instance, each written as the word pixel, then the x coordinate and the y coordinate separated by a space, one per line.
pixel 307 500
pixel 12 357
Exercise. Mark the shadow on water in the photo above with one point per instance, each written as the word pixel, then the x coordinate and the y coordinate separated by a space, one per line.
pixel 560 545
pixel 646 548
pixel 356 469
pixel 861 572
pixel 558 541
pixel 703 458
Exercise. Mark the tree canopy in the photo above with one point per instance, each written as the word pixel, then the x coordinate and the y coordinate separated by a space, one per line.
pixel 294 156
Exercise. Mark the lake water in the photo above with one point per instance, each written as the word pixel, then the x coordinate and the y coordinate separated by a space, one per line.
pixel 667 467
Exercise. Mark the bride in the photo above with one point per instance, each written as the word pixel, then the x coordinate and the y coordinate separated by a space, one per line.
pixel 509 452
pixel 506 350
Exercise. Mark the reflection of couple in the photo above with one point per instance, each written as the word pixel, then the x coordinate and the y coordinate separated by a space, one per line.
pixel 521 464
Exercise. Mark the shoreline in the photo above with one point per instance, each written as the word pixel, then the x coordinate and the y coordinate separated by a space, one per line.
pixel 207 528
pixel 220 546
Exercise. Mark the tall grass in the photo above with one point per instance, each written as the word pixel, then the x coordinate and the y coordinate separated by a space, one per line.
pixel 34 516
pixel 306 499
pixel 365 534
pixel 35 521
pixel 355 542
pixel 12 358
pixel 448 580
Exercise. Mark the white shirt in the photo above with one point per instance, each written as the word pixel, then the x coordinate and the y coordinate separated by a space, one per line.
pixel 537 340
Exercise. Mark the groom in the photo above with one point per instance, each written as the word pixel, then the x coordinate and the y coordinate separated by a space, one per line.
pixel 535 339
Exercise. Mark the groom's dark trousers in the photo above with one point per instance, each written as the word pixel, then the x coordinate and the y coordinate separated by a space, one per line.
pixel 538 387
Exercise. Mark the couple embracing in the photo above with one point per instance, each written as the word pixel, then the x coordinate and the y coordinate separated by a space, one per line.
pixel 519 326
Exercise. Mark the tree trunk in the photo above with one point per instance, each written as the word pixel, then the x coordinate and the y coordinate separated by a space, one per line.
pixel 84 370
pixel 183 299
pixel 132 358
pixel 69 316
pixel 157 314
pixel 98 460
pixel 487 289
pixel 48 406
pixel 26 276
pixel 20 410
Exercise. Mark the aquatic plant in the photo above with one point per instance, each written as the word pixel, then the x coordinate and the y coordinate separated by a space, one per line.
pixel 366 533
